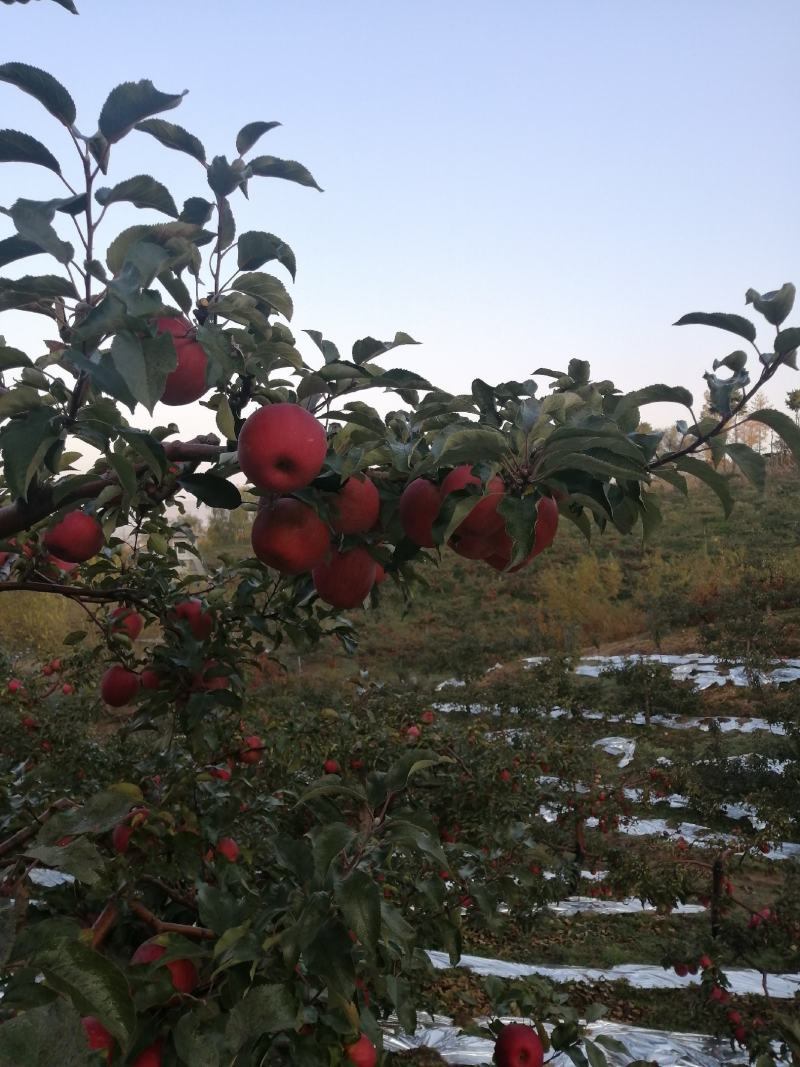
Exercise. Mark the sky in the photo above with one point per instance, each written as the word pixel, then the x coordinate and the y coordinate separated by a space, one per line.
pixel 513 183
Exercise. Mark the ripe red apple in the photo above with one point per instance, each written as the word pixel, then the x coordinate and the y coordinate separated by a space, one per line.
pixel 356 507
pixel 413 732
pixel 67 689
pixel 734 1018
pixel 187 382
pixel 741 1035
pixel 289 536
pixel 253 752
pixel 518 1046
pixel 199 621
pixel 546 526
pixel 419 505
pixel 505 775
pixel 76 538
pixel 184 973
pixel 227 847
pixel 362 1053
pixel 282 448
pixel 125 620
pixel 428 716
pixel 98 1037
pixel 150 679
pixel 484 519
pixel 471 546
pixel 15 685
pixel 331 766
pixel 121 838
pixel 210 678
pixel 151 1056
pixel 223 773
pixel 346 578
pixel 705 962
pixel 119 686
pixel 681 969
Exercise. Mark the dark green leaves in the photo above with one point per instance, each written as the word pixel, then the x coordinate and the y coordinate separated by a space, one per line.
pixel 733 323
pixel 272 167
pixel 658 394
pixel 470 444
pixel 144 364
pixel 266 289
pixel 223 177
pixel 141 191
pixel 750 463
pixel 368 348
pixel 249 134
pixel 774 306
pixel 33 219
pixel 212 490
pixel 12 357
pixel 16 147
pixel 43 287
pixel 24 443
pixel 706 473
pixel 255 248
pixel 44 87
pixel 173 136
pixel 787 341
pixel 47 1036
pixel 266 1009
pixel 94 984
pixel 16 247
pixel 131 102
pixel 359 899
pixel 80 858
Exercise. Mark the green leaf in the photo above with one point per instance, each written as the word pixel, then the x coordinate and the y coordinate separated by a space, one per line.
pixel 212 490
pixel 706 473
pixel 24 443
pixel 249 134
pixel 47 1036
pixel 151 451
pixel 225 421
pixel 656 394
pixel 265 1009
pixel 255 248
pixel 674 479
pixel 129 103
pixel 328 842
pixel 196 210
pixel 266 288
pixel 160 233
pixel 401 996
pixel 16 247
pixel 16 147
pixel 736 361
pixel 43 87
pixel 141 191
pixel 172 136
pixel 784 426
pixel 368 348
pixel 80 859
pixel 359 899
pixel 223 177
pixel 774 306
pixel 44 286
pixel 125 471
pixel 733 323
pixel 288 169
pixel 750 463
pixel 226 226
pixel 32 219
pixel 100 813
pixel 12 357
pixel 177 290
pixel 595 1055
pixel 144 364
pixel 468 444
pixel 787 341
pixel 192 1040
pixel 94 984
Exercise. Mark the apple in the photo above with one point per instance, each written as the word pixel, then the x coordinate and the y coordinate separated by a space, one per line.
pixel 346 578
pixel 282 447
pixel 76 538
pixel 55 665
pixel 227 847
pixel 505 775
pixel 741 1035
pixel 331 766
pixel 121 838
pixel 119 686
pixel 184 973
pixel 223 773
pixel 428 716
pixel 289 536
pixel 413 733
pixel 356 507
pixel 484 519
pixel 705 962
pixel 210 677
pixel 98 1037
pixel 253 753
pixel 199 621
pixel 681 969
pixel 545 532
pixel 187 382
pixel 362 1053
pixel 356 764
pixel 419 505
pixel 518 1046
pixel 67 689
pixel 150 679
pixel 15 685
pixel 734 1018
pixel 151 1056
pixel 471 546
pixel 125 620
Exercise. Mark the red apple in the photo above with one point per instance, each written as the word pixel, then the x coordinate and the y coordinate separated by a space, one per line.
pixel 253 752
pixel 150 679
pixel 289 536
pixel 15 685
pixel 223 773
pixel 362 1053
pixel 346 578
pixel 125 620
pixel 67 689
pixel 518 1046
pixel 183 972
pixel 282 447
pixel 413 732
pixel 471 546
pixel 76 538
pixel 121 838
pixel 228 848
pixel 356 507
pixel 741 1035
pixel 199 621
pixel 119 686
pixel 484 519
pixel 151 1056
pixel 428 716
pixel 681 969
pixel 210 677
pixel 98 1037
pixel 546 526
pixel 187 382
pixel 419 505
pixel 331 766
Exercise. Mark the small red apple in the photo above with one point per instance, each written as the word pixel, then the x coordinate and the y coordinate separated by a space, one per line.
pixel 211 678
pixel 413 733
pixel 419 505
pixel 151 1056
pixel 331 766
pixel 227 847
pixel 505 775
pixel 484 519
pixel 254 750
pixel 193 613
pixel 76 538
pixel 150 679
pixel 428 716
pixel 545 531
pixel 183 972
pixel 121 837
pixel 362 1053
pixel 681 969
pixel 518 1046
pixel 344 581
pixel 356 507
pixel 15 685
pixel 289 536
pixel 98 1037
pixel 282 447
pixel 119 686
pixel 222 773
pixel 187 382
pixel 125 620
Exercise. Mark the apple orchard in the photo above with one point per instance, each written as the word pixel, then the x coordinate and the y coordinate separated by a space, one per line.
pixel 224 909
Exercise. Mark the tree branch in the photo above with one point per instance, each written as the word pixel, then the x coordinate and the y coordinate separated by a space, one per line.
pixel 21 837
pixel 73 592
pixel 201 933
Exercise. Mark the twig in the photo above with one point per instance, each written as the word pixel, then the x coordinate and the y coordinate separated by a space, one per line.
pixel 201 933
pixel 24 835
pixel 104 923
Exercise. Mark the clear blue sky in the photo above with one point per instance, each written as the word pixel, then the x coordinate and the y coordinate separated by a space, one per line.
pixel 512 183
